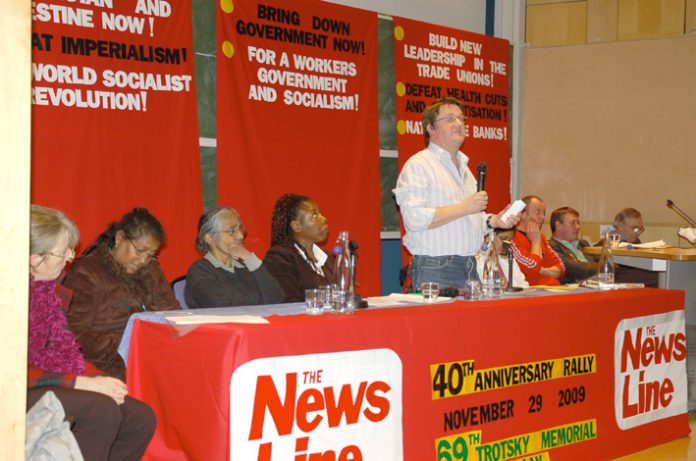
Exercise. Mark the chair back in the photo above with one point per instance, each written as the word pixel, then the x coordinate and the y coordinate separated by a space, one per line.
pixel 178 285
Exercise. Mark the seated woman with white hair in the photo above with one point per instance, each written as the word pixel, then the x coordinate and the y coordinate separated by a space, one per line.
pixel 228 274
pixel 106 423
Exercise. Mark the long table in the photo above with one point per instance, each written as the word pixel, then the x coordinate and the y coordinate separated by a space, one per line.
pixel 676 268
pixel 558 377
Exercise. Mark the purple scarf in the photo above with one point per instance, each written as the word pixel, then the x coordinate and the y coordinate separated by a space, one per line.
pixel 52 346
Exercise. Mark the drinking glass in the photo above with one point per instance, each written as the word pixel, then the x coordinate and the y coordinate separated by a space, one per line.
pixel 327 290
pixel 430 290
pixel 614 240
pixel 314 301
pixel 472 289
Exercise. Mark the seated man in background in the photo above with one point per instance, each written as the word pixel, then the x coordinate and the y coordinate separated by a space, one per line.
pixel 629 223
pixel 565 227
pixel 539 263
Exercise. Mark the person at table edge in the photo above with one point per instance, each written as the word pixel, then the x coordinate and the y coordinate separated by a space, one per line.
pixel 106 422
pixel 629 224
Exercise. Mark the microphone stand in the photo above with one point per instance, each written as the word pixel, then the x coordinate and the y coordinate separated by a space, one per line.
pixel 353 247
pixel 511 288
pixel 684 216
pixel 684 233
pixel 358 302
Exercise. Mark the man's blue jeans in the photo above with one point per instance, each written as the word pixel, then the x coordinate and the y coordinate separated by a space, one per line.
pixel 448 271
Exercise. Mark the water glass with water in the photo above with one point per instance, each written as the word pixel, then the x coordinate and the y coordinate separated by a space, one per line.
pixel 327 291
pixel 314 302
pixel 430 290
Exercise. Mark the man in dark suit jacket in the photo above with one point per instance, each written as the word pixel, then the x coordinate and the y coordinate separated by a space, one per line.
pixel 565 226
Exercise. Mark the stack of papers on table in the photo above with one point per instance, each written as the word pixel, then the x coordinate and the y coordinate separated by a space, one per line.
pixel 396 299
pixel 197 319
pixel 648 245
pixel 559 288
pixel 589 283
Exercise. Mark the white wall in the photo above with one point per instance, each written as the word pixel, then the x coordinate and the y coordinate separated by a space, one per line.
pixel 611 125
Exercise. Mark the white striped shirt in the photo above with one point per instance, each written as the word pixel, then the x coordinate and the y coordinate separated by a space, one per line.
pixel 431 180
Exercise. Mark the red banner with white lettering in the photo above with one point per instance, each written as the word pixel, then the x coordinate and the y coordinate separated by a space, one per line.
pixel 297 112
pixel 114 117
pixel 433 62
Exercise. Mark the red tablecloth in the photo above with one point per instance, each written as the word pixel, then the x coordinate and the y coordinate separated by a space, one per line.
pixel 502 379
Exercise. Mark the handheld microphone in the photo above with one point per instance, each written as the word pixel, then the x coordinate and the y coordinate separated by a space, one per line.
pixel 353 247
pixel 482 168
pixel 450 292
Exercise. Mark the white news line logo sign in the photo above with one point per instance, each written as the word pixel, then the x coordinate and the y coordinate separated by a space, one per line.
pixel 296 400
pixel 650 369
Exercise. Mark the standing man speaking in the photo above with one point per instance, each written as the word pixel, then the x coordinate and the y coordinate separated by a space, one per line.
pixel 441 209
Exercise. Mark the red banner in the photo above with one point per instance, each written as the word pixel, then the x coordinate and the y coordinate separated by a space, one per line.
pixel 114 117
pixel 506 379
pixel 297 112
pixel 433 62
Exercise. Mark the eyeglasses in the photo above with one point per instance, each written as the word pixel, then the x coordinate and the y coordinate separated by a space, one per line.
pixel 232 231
pixel 452 118
pixel 68 256
pixel 149 255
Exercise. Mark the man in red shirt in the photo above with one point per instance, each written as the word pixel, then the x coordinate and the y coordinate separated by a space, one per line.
pixel 539 263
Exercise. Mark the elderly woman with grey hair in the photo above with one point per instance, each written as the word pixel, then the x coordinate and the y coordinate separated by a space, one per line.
pixel 106 423
pixel 228 274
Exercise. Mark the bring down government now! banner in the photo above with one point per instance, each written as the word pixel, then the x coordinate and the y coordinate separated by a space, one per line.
pixel 114 117
pixel 297 112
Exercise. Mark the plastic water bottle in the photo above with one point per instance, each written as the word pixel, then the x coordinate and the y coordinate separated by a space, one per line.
pixel 496 277
pixel 491 283
pixel 486 276
pixel 605 273
pixel 343 296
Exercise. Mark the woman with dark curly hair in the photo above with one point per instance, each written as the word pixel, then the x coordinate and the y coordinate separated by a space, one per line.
pixel 295 259
pixel 115 277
